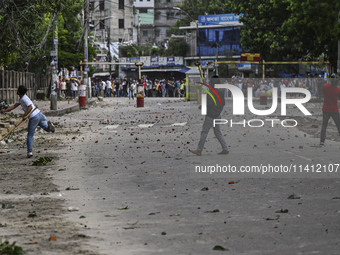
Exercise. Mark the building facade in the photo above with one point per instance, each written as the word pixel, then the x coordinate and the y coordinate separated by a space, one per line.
pixel 153 18
pixel 213 38
pixel 165 17
pixel 111 23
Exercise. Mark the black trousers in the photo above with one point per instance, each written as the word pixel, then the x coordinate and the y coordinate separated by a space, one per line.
pixel 326 115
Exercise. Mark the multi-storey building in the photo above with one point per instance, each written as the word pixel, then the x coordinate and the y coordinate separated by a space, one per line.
pixel 111 23
pixel 153 18
pixel 165 17
pixel 144 22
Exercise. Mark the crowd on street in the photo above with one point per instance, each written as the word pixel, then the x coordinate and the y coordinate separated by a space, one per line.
pixel 128 88
pixel 176 88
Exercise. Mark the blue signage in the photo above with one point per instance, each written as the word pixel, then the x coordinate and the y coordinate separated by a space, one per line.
pixel 154 61
pixel 170 61
pixel 218 19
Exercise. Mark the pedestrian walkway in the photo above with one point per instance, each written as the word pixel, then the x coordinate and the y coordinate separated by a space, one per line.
pixel 63 107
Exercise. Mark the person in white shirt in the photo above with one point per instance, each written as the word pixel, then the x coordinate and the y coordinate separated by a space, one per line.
pixel 109 88
pixel 103 91
pixel 74 88
pixel 132 89
pixel 36 118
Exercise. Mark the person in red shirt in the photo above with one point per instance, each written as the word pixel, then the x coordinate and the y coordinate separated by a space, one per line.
pixel 330 107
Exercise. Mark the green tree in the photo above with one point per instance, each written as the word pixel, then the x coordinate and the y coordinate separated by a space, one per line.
pixel 278 29
pixel 290 29
pixel 177 47
pixel 26 33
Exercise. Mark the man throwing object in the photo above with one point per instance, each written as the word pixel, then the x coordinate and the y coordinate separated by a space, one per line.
pixel 36 118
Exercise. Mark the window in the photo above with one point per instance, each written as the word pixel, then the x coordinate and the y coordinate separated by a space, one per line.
pixel 157 32
pixel 121 23
pixel 143 10
pixel 217 36
pixel 158 16
pixel 170 15
pixel 168 1
pixel 92 24
pixel 91 7
pixel 101 5
pixel 121 4
pixel 102 24
pixel 145 33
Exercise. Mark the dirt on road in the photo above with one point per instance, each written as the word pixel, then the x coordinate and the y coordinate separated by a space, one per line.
pixel 34 212
pixel 32 208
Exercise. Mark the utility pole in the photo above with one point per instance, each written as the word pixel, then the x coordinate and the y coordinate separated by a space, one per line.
pixel 198 41
pixel 338 62
pixel 86 36
pixel 109 49
pixel 54 65
pixel 138 31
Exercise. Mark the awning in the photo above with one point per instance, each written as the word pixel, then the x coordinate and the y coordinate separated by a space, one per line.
pixel 184 70
pixel 193 71
pixel 160 70
pixel 101 74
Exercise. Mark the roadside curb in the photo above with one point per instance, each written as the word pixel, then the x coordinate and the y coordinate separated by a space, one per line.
pixel 70 109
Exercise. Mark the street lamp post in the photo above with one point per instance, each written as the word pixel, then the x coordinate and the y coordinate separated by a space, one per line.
pixel 86 35
pixel 54 65
pixel 109 50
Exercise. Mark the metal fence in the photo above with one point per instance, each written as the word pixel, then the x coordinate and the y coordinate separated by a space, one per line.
pixel 11 80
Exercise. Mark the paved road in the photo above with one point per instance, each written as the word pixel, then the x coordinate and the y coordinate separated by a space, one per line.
pixel 136 185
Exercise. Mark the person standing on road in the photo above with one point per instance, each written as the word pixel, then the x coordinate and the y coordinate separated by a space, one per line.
pixel 74 88
pixel 330 107
pixel 132 89
pixel 109 87
pixel 213 112
pixel 35 119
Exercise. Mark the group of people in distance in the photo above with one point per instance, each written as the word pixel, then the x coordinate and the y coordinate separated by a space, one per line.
pixel 128 88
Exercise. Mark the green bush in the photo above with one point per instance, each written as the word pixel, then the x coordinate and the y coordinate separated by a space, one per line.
pixel 10 249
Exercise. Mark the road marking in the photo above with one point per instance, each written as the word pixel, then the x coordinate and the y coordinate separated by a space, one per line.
pixel 145 125
pixel 299 156
pixel 112 126
pixel 179 124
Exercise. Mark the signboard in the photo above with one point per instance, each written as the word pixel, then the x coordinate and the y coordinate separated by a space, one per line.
pixel 244 66
pixel 53 53
pixel 250 57
pixel 170 61
pixel 219 19
pixel 154 61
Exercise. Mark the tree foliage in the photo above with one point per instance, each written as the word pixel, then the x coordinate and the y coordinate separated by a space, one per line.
pixel 279 29
pixel 289 29
pixel 26 33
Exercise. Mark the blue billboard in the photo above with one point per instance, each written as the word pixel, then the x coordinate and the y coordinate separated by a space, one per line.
pixel 219 19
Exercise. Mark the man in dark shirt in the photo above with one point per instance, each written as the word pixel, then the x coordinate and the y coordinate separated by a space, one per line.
pixel 330 107
pixel 213 112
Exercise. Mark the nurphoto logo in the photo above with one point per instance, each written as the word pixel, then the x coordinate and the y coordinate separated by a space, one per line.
pixel 238 99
